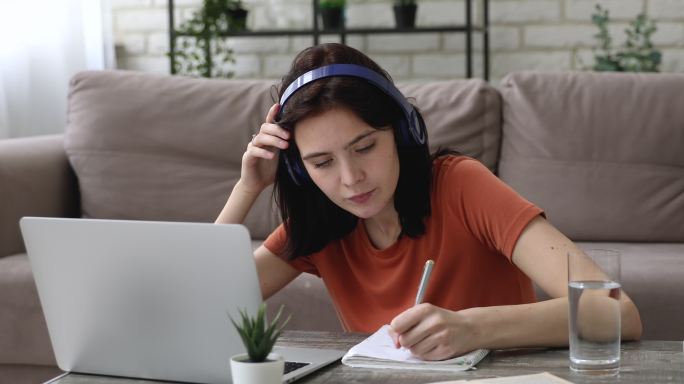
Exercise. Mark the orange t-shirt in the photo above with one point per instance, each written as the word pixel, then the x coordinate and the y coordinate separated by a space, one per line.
pixel 475 222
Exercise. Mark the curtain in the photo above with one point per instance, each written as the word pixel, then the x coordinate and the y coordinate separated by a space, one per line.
pixel 42 44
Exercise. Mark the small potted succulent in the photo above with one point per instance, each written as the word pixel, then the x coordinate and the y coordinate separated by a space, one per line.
pixel 405 13
pixel 259 336
pixel 332 13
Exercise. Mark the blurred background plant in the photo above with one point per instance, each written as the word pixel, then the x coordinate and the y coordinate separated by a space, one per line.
pixel 332 3
pixel 201 50
pixel 332 13
pixel 637 53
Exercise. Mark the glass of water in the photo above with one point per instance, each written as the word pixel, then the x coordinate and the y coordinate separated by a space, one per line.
pixel 594 317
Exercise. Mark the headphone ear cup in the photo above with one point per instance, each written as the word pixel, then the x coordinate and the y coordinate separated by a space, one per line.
pixel 412 129
pixel 405 133
pixel 419 128
pixel 296 169
pixel 300 172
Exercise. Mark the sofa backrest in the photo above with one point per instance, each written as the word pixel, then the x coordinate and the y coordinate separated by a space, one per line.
pixel 603 154
pixel 150 147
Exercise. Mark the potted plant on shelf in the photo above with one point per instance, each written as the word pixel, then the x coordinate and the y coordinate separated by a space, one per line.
pixel 258 365
pixel 405 13
pixel 202 50
pixel 237 15
pixel 332 13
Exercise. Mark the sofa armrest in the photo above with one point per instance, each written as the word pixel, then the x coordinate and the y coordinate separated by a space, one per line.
pixel 35 180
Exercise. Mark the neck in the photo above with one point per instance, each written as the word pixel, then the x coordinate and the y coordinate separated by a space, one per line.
pixel 384 228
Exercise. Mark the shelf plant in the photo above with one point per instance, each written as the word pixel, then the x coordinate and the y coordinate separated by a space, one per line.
pixel 405 13
pixel 636 55
pixel 332 13
pixel 202 51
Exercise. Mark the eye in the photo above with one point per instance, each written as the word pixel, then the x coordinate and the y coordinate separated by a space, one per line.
pixel 322 164
pixel 366 148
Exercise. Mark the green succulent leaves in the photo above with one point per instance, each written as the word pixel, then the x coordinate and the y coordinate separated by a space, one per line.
pixel 257 334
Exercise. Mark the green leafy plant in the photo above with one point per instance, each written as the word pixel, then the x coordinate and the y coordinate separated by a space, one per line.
pixel 332 3
pixel 637 54
pixel 201 50
pixel 257 334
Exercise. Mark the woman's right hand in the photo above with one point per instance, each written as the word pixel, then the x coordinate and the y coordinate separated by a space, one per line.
pixel 260 160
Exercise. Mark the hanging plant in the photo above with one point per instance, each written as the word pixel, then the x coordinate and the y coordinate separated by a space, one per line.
pixel 201 48
pixel 637 54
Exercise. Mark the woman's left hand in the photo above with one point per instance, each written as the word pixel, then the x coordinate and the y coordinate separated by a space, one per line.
pixel 434 333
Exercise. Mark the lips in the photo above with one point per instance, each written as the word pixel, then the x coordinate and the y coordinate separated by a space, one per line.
pixel 361 198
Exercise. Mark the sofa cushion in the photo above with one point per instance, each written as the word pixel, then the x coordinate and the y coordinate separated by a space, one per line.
pixel 600 153
pixel 23 333
pixel 464 115
pixel 307 300
pixel 152 147
pixel 35 180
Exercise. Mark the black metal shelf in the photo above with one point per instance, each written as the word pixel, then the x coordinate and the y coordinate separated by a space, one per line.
pixel 315 32
pixel 349 31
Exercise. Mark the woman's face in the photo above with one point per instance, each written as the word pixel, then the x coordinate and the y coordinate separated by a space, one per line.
pixel 355 165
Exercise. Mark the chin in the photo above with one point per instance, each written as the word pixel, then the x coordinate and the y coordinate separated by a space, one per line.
pixel 363 213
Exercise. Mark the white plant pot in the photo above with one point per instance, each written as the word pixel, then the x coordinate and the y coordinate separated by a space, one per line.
pixel 245 372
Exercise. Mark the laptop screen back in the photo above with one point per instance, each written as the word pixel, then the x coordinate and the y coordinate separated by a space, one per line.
pixel 143 299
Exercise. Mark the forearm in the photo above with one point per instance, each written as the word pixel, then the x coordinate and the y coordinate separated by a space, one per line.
pixel 238 205
pixel 527 325
pixel 542 324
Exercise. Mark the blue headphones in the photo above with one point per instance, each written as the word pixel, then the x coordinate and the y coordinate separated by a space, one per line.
pixel 411 128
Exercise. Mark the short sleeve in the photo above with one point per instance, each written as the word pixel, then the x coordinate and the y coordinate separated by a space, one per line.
pixel 276 243
pixel 490 209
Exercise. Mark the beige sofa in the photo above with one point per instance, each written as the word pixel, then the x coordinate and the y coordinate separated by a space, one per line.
pixel 601 153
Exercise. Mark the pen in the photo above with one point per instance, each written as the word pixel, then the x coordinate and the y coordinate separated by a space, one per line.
pixel 427 270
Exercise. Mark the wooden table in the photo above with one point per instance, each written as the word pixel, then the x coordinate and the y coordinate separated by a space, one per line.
pixel 645 362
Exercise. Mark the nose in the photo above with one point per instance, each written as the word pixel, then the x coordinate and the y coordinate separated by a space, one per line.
pixel 351 172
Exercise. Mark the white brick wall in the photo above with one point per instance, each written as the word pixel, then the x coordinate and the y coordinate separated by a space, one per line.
pixel 577 10
pixel 525 11
pixel 524 34
pixel 558 36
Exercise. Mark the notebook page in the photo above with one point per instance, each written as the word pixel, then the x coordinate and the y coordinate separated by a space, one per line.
pixel 378 351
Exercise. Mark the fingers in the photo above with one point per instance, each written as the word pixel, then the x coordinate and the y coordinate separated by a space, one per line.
pixel 263 153
pixel 271 134
pixel 395 337
pixel 428 340
pixel 409 318
pixel 264 139
pixel 418 324
pixel 428 348
pixel 272 113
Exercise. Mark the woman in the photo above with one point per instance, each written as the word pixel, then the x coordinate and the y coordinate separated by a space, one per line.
pixel 364 205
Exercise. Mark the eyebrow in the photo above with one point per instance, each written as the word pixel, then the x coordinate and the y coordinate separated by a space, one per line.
pixel 354 141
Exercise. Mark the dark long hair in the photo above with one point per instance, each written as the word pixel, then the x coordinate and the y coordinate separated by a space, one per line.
pixel 311 219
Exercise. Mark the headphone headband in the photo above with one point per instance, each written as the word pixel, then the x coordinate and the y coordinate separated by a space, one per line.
pixel 351 70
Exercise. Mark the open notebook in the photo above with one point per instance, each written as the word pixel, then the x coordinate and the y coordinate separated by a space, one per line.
pixel 378 351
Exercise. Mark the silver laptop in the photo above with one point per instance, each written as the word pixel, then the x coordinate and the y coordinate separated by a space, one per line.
pixel 149 299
